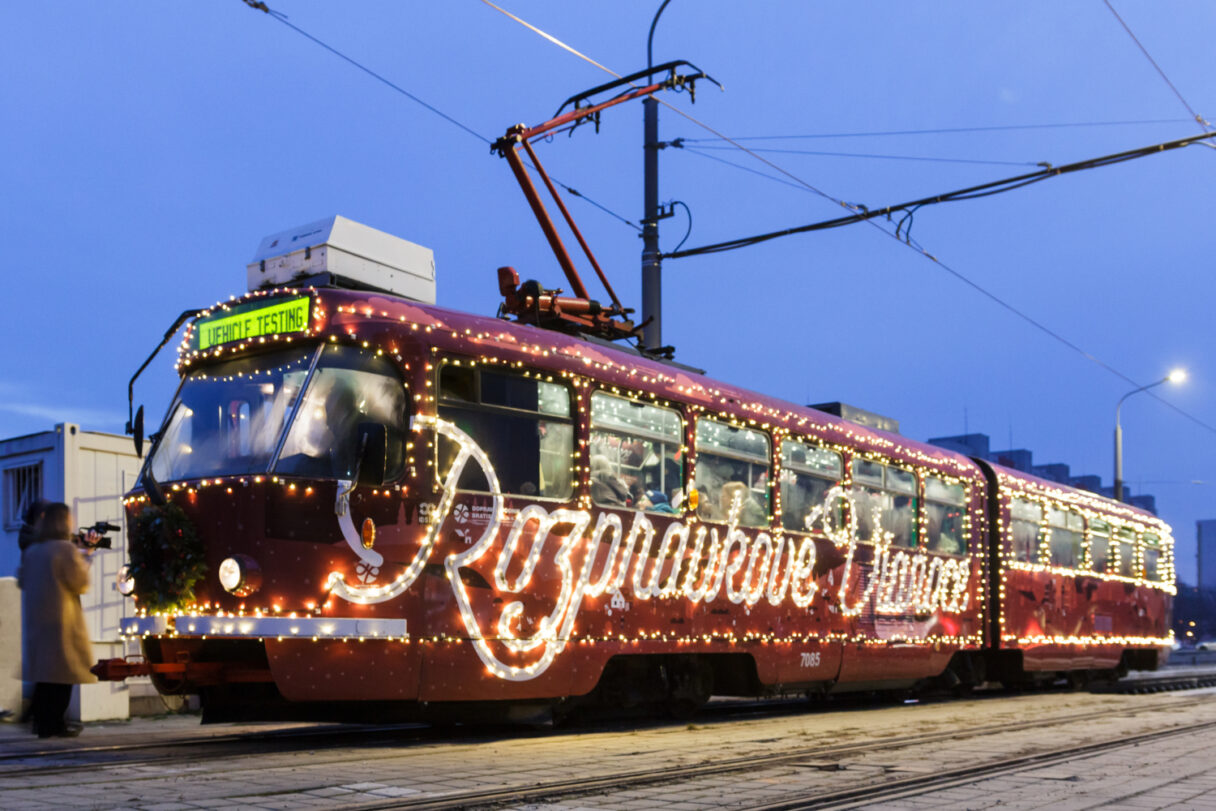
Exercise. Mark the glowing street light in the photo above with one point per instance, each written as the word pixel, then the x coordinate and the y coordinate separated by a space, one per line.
pixel 1175 376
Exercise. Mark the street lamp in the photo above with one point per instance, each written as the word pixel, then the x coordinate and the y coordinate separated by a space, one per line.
pixel 1176 376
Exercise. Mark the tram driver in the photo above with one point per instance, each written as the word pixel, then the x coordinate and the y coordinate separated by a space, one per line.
pixel 322 441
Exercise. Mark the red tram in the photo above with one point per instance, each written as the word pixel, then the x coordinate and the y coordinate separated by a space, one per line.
pixel 401 505
pixel 362 505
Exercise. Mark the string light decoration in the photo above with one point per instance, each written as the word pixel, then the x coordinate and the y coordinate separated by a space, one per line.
pixel 905 582
pixel 1094 510
pixel 190 351
pixel 664 561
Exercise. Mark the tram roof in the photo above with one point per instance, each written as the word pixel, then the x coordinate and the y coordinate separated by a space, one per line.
pixel 488 336
pixel 492 337
pixel 1075 496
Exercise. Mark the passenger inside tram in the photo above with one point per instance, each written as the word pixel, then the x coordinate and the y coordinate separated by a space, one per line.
pixel 607 489
pixel 945 528
pixel 321 443
pixel 751 514
pixel 629 473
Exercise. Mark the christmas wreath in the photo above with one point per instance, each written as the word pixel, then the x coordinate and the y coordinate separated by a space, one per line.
pixel 167 558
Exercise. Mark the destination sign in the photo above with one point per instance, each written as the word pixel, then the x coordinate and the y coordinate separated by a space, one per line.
pixel 252 320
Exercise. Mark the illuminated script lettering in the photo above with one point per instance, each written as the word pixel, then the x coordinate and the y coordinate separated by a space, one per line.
pixel 596 555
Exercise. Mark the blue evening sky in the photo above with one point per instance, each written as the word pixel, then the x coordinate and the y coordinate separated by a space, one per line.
pixel 149 146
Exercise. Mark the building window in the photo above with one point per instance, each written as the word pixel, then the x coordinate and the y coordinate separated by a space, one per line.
pixel 22 487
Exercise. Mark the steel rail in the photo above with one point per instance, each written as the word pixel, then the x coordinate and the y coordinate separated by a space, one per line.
pixel 337 731
pixel 1158 684
pixel 923 784
pixel 326 737
pixel 334 737
pixel 259 739
pixel 548 791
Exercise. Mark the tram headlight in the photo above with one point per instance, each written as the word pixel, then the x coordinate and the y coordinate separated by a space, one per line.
pixel 126 583
pixel 240 575
pixel 369 533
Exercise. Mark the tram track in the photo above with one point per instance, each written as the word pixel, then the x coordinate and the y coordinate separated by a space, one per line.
pixel 292 738
pixel 1159 684
pixel 384 741
pixel 905 787
pixel 621 781
pixel 221 746
pixel 337 733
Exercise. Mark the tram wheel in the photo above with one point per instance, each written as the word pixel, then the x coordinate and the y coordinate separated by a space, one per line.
pixel 1078 679
pixel 690 682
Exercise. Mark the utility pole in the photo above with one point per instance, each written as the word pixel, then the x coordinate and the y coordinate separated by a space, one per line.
pixel 652 281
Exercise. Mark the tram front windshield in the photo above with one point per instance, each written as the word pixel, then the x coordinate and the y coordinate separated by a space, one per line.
pixel 229 418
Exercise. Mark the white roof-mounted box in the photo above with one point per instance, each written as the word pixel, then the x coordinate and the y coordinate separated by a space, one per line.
pixel 343 253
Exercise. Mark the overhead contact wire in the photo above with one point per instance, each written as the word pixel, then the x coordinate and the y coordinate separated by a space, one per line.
pixel 948 130
pixel 930 159
pixel 377 76
pixel 1200 119
pixel 552 39
pixel 969 193
pixel 279 16
pixel 1025 317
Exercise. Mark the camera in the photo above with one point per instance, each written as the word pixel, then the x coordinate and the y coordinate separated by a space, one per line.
pixel 101 528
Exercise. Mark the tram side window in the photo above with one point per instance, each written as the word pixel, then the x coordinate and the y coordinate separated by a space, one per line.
pixel 523 424
pixel 635 454
pixel 888 493
pixel 1066 532
pixel 807 473
pixel 732 463
pixel 945 509
pixel 1152 557
pixel 1099 546
pixel 1126 544
pixel 1025 518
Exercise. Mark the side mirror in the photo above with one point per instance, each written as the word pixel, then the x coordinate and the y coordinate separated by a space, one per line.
pixel 373 453
pixel 137 428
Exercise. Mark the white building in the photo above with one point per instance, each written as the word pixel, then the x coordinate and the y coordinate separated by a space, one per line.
pixel 89 471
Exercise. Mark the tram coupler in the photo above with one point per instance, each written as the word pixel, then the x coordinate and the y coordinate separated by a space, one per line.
pixel 121 669
pixel 196 673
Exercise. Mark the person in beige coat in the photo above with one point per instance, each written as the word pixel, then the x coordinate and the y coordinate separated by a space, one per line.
pixel 54 573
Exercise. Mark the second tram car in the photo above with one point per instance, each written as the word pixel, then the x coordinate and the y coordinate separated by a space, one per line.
pixel 393 507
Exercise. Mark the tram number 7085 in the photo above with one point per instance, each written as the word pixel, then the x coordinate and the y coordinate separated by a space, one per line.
pixel 810 659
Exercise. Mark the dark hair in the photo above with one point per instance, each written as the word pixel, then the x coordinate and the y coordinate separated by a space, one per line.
pixel 56 524
pixel 34 511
